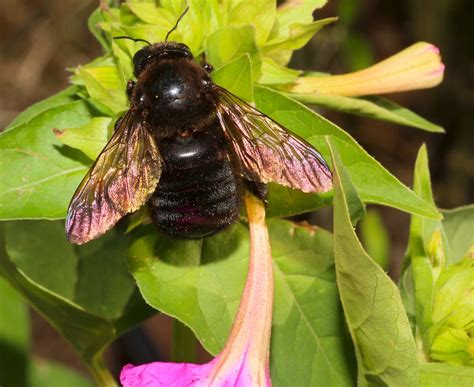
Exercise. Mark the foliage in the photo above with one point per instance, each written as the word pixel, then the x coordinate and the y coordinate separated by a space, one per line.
pixel 338 318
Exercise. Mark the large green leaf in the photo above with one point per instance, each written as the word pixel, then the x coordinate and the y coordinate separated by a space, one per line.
pixel 372 181
pixel 309 342
pixel 385 347
pixel 14 337
pixel 39 174
pixel 90 298
pixel 374 107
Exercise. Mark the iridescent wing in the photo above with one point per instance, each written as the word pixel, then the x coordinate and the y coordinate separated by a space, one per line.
pixel 267 151
pixel 121 180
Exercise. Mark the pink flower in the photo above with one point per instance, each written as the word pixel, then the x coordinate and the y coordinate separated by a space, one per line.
pixel 416 67
pixel 244 361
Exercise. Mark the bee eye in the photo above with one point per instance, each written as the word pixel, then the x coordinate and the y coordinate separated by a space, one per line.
pixel 140 59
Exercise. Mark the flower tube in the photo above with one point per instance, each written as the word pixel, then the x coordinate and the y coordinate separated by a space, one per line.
pixel 416 67
pixel 244 361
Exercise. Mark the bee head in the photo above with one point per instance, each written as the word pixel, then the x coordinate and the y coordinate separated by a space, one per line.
pixel 163 50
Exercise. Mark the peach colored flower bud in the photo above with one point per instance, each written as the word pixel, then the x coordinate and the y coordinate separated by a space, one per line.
pixel 416 67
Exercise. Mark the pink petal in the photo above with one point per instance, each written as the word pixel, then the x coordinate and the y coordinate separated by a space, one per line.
pixel 187 375
pixel 163 374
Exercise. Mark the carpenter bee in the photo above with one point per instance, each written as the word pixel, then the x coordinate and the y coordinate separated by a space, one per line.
pixel 187 147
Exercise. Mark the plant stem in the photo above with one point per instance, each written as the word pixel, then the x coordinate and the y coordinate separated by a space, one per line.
pixel 101 374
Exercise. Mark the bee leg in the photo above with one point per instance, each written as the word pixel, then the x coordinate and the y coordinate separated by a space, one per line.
pixel 130 87
pixel 260 190
pixel 207 66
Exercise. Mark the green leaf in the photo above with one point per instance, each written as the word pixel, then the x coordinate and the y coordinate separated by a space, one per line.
pixel 421 230
pixel 355 206
pixel 372 181
pixel 280 48
pixel 230 43
pixel 93 23
pixel 236 77
pixel 27 249
pixel 89 138
pixel 375 238
pixel 283 201
pixel 385 347
pixel 309 343
pixel 259 13
pixel 275 74
pixel 151 14
pixel 94 275
pixel 95 301
pixel 39 174
pixel 458 225
pixel 123 52
pixel 197 24
pixel 14 337
pixel 446 375
pixel 291 12
pixel 64 97
pixel 299 35
pixel 44 373
pixel 104 86
pixel 449 339
pixel 374 107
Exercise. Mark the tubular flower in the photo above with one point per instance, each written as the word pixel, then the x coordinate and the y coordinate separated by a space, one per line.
pixel 416 67
pixel 244 361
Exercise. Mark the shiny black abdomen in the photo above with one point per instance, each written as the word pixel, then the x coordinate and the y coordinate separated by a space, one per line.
pixel 198 193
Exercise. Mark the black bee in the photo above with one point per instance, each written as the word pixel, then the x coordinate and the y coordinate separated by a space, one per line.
pixel 186 147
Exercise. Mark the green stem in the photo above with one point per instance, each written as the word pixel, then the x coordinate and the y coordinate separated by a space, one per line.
pixel 184 344
pixel 101 374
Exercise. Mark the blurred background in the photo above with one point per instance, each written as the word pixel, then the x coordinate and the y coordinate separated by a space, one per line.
pixel 40 39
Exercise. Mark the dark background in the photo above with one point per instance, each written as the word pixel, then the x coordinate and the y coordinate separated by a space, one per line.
pixel 39 39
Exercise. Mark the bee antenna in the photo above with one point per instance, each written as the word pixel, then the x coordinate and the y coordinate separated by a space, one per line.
pixel 134 39
pixel 177 22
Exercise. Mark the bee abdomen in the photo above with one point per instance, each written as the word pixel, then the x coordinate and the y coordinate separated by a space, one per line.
pixel 195 198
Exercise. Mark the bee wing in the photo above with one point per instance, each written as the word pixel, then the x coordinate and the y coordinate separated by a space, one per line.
pixel 267 151
pixel 121 180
